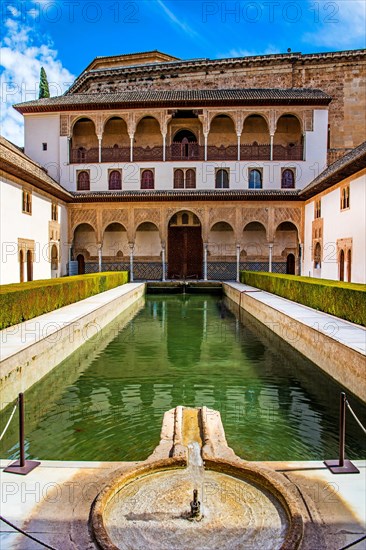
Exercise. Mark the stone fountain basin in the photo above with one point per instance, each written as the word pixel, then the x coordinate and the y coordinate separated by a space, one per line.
pixel 244 506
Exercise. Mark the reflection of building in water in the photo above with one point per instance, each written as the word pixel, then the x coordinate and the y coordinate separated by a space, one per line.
pixel 142 171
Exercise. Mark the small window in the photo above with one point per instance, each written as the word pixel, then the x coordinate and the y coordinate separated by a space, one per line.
pixel 178 179
pixel 288 179
pixel 317 209
pixel 54 212
pixel 83 183
pixel 115 180
pixel 44 146
pixel 147 179
pixel 255 179
pixel 27 202
pixel 185 219
pixel 184 178
pixel 222 179
pixel 345 197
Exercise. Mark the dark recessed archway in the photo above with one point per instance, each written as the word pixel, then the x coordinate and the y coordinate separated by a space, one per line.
pixel 185 246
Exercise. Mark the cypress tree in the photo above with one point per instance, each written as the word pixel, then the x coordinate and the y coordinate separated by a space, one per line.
pixel 43 85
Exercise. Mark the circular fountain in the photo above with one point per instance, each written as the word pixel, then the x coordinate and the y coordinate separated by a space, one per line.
pixel 185 503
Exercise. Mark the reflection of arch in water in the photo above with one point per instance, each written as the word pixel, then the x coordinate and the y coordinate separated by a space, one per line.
pixel 184 332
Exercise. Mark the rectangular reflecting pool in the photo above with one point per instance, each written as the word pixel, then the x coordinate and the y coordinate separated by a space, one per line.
pixel 107 400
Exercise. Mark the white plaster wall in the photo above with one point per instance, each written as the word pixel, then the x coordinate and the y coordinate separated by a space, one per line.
pixel 15 224
pixel 316 144
pixel 339 224
pixel 40 129
pixel 307 263
pixel 205 174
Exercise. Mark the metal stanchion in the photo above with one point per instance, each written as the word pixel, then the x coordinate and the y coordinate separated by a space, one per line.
pixel 22 466
pixel 342 465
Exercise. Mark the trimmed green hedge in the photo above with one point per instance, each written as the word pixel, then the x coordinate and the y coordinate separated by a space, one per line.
pixel 344 300
pixel 23 301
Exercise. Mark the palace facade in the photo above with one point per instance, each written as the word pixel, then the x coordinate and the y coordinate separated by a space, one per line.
pixel 193 169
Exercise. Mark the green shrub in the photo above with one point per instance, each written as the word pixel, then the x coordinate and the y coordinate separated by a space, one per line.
pixel 344 300
pixel 22 301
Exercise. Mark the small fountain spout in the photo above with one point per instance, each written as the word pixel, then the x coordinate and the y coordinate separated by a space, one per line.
pixel 195 514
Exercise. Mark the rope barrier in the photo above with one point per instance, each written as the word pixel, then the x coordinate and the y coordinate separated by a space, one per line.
pixel 8 422
pixel 26 534
pixel 355 417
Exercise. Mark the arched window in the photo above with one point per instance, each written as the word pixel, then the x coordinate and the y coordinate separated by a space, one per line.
pixel 83 181
pixel 185 219
pixel 54 258
pixel 255 179
pixel 317 256
pixel 147 179
pixel 222 179
pixel 288 179
pixel 178 179
pixel 115 180
pixel 341 265
pixel 191 179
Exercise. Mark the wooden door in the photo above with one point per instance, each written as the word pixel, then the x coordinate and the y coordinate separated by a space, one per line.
pixel 185 253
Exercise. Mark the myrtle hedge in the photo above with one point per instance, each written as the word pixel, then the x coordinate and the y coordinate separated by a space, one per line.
pixel 344 300
pixel 23 301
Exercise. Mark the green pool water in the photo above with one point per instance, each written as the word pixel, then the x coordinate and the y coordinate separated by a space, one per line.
pixel 106 402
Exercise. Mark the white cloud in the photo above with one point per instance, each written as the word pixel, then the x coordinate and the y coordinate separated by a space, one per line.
pixel 239 52
pixel 174 19
pixel 22 56
pixel 342 24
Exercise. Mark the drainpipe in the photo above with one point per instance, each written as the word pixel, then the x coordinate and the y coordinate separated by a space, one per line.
pixel 205 247
pixel 238 263
pixel 163 260
pixel 131 245
pixel 100 149
pixel 68 150
pixel 164 147
pixel 206 138
pixel 304 147
pixel 271 153
pixel 100 258
pixel 270 247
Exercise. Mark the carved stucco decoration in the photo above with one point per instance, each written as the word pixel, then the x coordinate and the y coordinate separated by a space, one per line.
pixel 79 216
pixel 115 215
pixel 222 215
pixel 287 215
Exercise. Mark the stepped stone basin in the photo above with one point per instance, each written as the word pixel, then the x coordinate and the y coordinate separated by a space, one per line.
pixel 241 505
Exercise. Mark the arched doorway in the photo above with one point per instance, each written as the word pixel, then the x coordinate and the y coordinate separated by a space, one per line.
pixel 54 260
pixel 81 264
pixel 349 265
pixel 185 145
pixel 29 266
pixel 185 246
pixel 290 264
pixel 21 266
pixel 341 265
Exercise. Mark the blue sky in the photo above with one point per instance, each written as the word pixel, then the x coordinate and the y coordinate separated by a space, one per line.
pixel 65 35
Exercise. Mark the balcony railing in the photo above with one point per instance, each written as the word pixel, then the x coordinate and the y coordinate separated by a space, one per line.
pixel 187 152
pixel 255 152
pixel 294 152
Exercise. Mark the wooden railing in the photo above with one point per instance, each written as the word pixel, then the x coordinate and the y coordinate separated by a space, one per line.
pixel 294 152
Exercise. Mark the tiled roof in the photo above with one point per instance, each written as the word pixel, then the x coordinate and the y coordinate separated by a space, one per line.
pixel 346 166
pixel 189 194
pixel 15 162
pixel 247 96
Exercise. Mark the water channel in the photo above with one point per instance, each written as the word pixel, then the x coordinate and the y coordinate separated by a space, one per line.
pixel 107 400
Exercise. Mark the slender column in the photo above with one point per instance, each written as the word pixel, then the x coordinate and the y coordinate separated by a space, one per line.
pixel 270 249
pixel 131 148
pixel 271 153
pixel 70 252
pixel 239 137
pixel 163 260
pixel 100 258
pixel 301 247
pixel 205 247
pixel 131 245
pixel 206 139
pixel 238 263
pixel 100 148
pixel 164 147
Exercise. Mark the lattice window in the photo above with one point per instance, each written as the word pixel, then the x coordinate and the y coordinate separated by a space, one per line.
pixel 83 181
pixel 184 178
pixel 27 202
pixel 288 179
pixel 222 179
pixel 115 180
pixel 147 179
pixel 255 178
pixel 317 209
pixel 345 197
